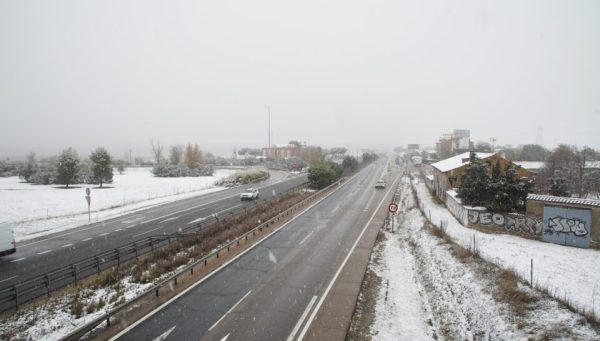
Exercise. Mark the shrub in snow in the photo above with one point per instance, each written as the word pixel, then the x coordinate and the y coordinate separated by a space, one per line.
pixel 67 167
pixel 173 171
pixel 8 168
pixel 43 174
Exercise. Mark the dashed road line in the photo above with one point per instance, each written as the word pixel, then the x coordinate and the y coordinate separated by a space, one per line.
pixel 229 311
pixel 18 260
pixel 104 234
pixel 117 230
pixel 197 220
pixel 86 239
pixel 169 219
pixel 44 252
pixel 143 233
pixel 128 227
pixel 305 238
pixel 67 245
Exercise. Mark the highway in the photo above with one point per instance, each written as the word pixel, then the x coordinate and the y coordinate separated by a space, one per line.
pixel 37 256
pixel 267 292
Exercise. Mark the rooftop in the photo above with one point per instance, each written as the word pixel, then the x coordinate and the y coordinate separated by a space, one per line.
pixel 458 161
pixel 564 200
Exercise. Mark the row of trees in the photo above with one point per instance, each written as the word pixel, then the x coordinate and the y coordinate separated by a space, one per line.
pixel 497 189
pixel 185 160
pixel 68 169
pixel 324 173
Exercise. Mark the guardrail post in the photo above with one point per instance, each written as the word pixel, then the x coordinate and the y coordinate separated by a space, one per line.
pixel 151 244
pixel 47 284
pixel 97 264
pixel 74 272
pixel 136 249
pixel 16 297
pixel 108 321
pixel 118 258
pixel 175 280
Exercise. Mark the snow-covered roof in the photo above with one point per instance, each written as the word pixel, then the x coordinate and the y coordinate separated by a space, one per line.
pixel 531 164
pixel 564 200
pixel 457 161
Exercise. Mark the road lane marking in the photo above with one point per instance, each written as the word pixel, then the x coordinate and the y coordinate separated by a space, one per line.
pixel 86 239
pixel 177 212
pixel 44 252
pixel 8 279
pixel 104 234
pixel 18 260
pixel 225 338
pixel 128 227
pixel 227 209
pixel 131 221
pixel 197 220
pixel 305 238
pixel 369 202
pixel 117 230
pixel 335 210
pixel 229 311
pixel 169 219
pixel 226 264
pixel 67 245
pixel 143 233
pixel 302 318
pixel 314 313
pixel 164 335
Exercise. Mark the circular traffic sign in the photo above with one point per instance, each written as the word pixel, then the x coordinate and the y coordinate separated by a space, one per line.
pixel 393 207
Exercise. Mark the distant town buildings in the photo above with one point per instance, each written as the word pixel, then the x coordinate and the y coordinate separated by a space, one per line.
pixel 450 144
pixel 282 151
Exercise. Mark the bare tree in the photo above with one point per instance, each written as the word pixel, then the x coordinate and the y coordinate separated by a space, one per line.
pixel 193 156
pixel 157 150
pixel 176 154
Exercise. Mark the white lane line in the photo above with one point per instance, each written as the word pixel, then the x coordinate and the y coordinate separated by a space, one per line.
pixel 335 210
pixel 369 202
pixel 302 318
pixel 305 238
pixel 67 245
pixel 230 310
pixel 230 208
pixel 104 234
pixel 44 252
pixel 117 230
pixel 169 219
pixel 226 337
pixel 143 233
pixel 164 335
pixel 176 212
pixel 86 239
pixel 197 220
pixel 18 260
pixel 8 279
pixel 131 221
pixel 226 264
pixel 128 227
pixel 314 313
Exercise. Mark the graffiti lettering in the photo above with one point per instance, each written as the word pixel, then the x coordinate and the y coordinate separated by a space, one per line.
pixel 567 225
pixel 511 223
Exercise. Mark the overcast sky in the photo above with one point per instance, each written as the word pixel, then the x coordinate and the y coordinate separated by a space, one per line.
pixel 335 73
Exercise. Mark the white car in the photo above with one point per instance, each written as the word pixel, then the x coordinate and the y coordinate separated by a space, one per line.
pixel 249 194
pixel 7 240
pixel 380 184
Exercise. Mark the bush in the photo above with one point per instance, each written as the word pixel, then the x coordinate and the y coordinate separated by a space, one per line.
pixel 175 171
pixel 323 174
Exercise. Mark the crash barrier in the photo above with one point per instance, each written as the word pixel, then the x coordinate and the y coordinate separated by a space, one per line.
pixel 205 261
pixel 12 296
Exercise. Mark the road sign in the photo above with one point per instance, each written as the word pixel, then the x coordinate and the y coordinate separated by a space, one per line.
pixel 393 207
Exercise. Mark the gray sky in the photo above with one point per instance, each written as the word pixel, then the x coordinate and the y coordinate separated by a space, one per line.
pixel 348 73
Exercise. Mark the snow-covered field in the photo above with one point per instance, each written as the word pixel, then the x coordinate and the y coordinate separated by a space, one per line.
pixel 426 293
pixel 36 210
pixel 567 272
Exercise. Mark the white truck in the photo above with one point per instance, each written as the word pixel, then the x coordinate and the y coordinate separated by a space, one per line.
pixel 7 240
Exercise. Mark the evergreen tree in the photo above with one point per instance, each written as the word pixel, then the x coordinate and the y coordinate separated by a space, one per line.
pixel 559 187
pixel 509 192
pixel 102 169
pixel 475 185
pixel 67 167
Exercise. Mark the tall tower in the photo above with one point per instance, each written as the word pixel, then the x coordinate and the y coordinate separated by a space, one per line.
pixel 540 136
pixel 269 139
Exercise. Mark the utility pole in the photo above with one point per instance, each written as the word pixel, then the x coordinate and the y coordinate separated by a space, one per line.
pixel 269 111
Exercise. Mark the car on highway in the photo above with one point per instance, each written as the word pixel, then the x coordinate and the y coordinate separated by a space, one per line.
pixel 249 194
pixel 380 184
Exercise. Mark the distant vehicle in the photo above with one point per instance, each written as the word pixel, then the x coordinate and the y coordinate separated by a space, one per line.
pixel 380 184
pixel 249 194
pixel 7 240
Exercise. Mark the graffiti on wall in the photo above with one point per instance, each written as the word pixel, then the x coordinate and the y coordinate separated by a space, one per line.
pixel 511 223
pixel 567 226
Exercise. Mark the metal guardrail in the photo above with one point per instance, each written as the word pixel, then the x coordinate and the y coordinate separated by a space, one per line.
pixel 16 294
pixel 154 290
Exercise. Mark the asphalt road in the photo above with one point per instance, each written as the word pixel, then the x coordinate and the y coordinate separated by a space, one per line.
pixel 37 256
pixel 268 291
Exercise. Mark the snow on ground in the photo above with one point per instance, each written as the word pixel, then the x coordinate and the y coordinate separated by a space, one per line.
pixel 427 293
pixel 35 210
pixel 567 272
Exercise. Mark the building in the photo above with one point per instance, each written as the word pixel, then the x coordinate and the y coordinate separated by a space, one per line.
pixel 284 151
pixel 449 144
pixel 448 173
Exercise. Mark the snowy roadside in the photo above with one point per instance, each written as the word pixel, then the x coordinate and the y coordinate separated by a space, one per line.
pixel 427 292
pixel 568 273
pixel 37 210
